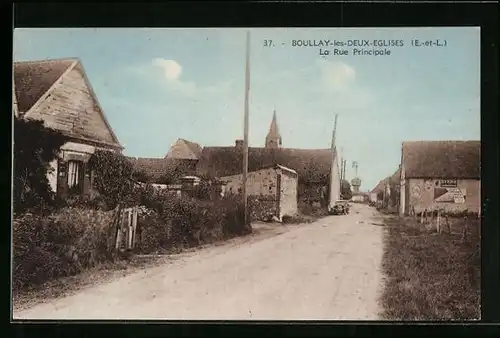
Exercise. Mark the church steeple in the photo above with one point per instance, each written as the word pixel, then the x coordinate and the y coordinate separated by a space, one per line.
pixel 273 138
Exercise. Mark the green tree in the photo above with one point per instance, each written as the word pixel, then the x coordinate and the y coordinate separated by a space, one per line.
pixel 112 176
pixel 171 176
pixel 35 146
pixel 141 176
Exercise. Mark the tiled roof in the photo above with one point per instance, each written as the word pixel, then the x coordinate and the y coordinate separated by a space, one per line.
pixel 312 165
pixel 155 168
pixel 442 159
pixel 33 78
pixel 184 149
pixel 195 147
pixel 393 180
pixel 379 187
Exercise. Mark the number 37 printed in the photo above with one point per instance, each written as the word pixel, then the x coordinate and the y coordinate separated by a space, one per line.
pixel 268 43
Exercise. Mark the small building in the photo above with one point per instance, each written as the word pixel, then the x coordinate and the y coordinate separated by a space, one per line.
pixel 59 93
pixel 272 190
pixel 376 194
pixel 443 175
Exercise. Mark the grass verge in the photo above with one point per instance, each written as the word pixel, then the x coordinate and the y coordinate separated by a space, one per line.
pixel 430 276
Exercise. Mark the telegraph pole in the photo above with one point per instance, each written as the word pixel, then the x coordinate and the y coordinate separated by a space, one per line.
pixel 341 165
pixel 245 129
pixel 331 197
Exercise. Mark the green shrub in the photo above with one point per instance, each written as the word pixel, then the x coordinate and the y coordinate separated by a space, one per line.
pixel 113 176
pixel 184 222
pixel 62 244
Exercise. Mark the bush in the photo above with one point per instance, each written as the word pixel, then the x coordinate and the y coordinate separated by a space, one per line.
pixel 62 244
pixel 183 223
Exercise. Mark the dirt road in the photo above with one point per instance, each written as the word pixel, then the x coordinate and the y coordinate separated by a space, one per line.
pixel 324 270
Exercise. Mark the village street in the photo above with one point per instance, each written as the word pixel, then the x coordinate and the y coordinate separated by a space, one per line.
pixel 324 270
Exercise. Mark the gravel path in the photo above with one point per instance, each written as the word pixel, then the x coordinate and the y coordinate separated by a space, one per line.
pixel 324 270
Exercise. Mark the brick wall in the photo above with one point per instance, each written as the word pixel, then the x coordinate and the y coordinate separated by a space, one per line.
pixel 421 195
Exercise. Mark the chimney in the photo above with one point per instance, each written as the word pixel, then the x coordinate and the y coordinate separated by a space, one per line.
pixel 239 144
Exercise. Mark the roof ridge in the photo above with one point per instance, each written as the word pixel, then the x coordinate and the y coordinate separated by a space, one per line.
pixel 71 59
pixel 436 141
pixel 271 149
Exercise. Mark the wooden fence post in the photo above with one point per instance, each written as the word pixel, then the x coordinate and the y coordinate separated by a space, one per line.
pixel 129 229
pixel 438 227
pixel 134 226
pixel 117 223
pixel 466 228
pixel 448 224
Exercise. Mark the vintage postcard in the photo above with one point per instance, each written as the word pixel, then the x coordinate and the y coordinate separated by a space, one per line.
pixel 246 174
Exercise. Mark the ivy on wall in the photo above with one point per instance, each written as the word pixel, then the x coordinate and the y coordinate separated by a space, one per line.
pixel 35 146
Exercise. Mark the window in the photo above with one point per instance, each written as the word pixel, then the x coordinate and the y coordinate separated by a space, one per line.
pixel 74 174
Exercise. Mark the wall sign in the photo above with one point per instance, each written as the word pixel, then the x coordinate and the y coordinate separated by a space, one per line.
pixel 449 195
pixel 448 183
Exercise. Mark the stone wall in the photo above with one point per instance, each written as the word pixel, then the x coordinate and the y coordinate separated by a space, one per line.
pixel 288 194
pixel 262 208
pixel 263 194
pixel 262 182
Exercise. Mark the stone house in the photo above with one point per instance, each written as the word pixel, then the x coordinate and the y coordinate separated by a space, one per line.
pixel 273 190
pixel 387 189
pixel 59 93
pixel 313 166
pixel 442 175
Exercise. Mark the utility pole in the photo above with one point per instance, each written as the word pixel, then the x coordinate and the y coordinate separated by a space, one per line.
pixel 345 162
pixel 333 198
pixel 341 165
pixel 245 130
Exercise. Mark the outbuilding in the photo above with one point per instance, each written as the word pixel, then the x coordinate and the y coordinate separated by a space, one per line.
pixel 272 190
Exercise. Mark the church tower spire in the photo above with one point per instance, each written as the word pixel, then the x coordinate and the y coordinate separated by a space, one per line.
pixel 273 138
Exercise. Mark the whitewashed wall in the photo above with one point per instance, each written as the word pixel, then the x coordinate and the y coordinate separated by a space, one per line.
pixel 52 176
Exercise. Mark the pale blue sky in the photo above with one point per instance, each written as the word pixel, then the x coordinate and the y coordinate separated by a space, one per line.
pixel 156 85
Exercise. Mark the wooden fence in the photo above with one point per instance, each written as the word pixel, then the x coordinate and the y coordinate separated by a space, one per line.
pixel 126 230
pixel 441 222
